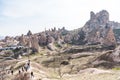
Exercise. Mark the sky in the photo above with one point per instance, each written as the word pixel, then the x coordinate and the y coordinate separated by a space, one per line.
pixel 19 16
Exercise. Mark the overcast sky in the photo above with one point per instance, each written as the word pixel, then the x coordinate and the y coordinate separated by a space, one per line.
pixel 19 16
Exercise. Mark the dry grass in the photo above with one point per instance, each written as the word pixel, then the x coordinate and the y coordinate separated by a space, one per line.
pixel 47 73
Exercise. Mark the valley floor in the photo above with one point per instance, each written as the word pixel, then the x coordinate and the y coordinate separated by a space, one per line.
pixel 50 73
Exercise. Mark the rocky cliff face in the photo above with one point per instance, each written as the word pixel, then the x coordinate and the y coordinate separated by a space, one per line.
pixel 96 21
pixel 99 30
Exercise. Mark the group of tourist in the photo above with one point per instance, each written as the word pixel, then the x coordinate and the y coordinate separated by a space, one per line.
pixel 25 68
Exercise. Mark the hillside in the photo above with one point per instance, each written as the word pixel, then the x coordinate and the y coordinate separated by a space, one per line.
pixel 64 66
pixel 88 53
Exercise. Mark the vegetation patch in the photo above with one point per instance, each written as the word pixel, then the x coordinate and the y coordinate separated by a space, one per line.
pixel 116 68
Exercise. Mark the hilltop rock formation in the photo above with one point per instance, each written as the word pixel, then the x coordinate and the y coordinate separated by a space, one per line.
pixel 99 30
pixel 96 21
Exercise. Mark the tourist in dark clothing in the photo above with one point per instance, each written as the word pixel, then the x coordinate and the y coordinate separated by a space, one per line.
pixel 22 69
pixel 32 75
pixel 19 71
pixel 12 72
pixel 28 64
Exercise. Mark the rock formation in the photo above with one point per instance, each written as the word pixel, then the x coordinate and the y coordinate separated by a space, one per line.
pixel 108 59
pixel 29 33
pixel 22 40
pixel 98 29
pixel 109 38
pixel 34 44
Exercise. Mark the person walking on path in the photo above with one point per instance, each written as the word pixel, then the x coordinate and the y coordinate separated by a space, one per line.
pixel 12 72
pixel 32 75
pixel 19 72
